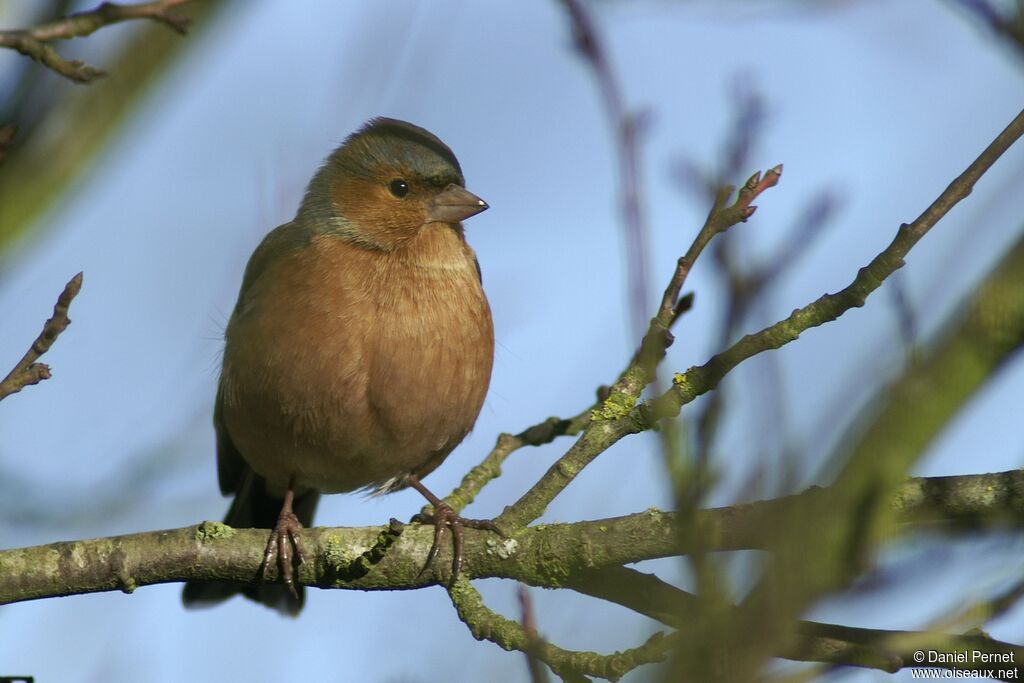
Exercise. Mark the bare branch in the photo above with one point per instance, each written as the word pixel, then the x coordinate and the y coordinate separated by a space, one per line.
pixel 33 42
pixel 699 380
pixel 28 371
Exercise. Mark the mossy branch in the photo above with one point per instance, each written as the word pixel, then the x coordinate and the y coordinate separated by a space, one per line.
pixel 579 556
pixel 547 555
pixel 486 624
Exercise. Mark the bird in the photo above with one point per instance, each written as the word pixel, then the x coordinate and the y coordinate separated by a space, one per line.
pixel 359 352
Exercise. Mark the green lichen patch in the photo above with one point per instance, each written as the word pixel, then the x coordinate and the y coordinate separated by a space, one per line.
pixel 616 406
pixel 336 553
pixel 211 531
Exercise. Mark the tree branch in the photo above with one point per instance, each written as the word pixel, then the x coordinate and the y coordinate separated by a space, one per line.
pixel 392 557
pixel 28 371
pixel 584 556
pixel 33 42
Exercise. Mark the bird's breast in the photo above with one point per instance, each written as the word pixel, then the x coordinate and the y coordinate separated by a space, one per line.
pixel 350 367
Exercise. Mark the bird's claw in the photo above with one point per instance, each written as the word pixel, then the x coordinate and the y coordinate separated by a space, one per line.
pixel 284 536
pixel 444 518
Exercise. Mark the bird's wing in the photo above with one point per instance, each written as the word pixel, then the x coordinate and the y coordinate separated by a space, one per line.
pixel 278 242
pixel 230 464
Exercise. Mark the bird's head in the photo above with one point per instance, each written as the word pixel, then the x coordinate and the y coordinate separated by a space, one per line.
pixel 385 182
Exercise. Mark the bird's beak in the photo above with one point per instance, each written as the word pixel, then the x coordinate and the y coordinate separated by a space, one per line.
pixel 454 205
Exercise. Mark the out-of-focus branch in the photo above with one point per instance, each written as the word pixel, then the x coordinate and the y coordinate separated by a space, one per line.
pixel 534 643
pixel 49 154
pixel 810 641
pixel 626 129
pixel 7 133
pixel 946 373
pixel 743 290
pixel 743 287
pixel 1009 26
pixel 34 42
pixel 28 371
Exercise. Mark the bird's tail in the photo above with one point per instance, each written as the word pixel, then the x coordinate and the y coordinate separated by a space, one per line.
pixel 254 508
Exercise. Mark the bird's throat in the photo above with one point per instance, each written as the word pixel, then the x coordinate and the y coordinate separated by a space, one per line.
pixel 439 246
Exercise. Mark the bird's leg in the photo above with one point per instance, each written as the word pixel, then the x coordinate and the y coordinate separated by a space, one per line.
pixel 444 517
pixel 285 534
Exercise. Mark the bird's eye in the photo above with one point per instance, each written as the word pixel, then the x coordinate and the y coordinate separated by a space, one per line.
pixel 399 188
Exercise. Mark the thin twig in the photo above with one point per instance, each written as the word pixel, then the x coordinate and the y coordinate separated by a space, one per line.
pixel 490 468
pixel 701 379
pixel 34 42
pixel 721 217
pixel 28 371
pixel 485 624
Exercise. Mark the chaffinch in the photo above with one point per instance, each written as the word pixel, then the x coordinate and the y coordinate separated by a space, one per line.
pixel 360 349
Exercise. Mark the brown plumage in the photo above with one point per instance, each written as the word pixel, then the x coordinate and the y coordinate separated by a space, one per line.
pixel 360 350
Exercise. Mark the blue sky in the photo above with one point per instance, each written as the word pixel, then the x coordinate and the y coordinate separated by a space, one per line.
pixel 880 103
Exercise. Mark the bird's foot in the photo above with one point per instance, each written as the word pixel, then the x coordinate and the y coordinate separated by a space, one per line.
pixel 444 518
pixel 284 536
